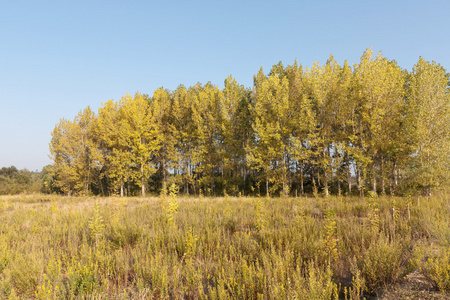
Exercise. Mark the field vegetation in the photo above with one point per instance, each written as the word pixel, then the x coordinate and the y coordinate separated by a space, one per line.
pixel 170 247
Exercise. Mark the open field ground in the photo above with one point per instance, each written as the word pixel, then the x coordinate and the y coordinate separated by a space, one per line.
pixel 224 248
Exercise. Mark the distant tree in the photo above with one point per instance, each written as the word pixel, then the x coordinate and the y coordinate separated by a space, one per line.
pixel 47 180
pixel 8 172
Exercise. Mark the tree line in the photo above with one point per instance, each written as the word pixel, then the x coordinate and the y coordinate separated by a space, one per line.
pixel 14 181
pixel 371 127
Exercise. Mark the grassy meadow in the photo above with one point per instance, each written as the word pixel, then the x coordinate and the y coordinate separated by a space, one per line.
pixel 169 247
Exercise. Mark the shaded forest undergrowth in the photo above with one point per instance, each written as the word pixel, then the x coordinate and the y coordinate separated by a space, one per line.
pixel 218 248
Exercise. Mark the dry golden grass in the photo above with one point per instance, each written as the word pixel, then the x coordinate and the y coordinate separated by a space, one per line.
pixel 55 247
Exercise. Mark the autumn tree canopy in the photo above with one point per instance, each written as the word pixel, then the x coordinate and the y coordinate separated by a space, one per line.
pixel 321 129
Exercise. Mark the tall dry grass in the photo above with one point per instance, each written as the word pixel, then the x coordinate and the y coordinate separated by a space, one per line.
pixel 172 247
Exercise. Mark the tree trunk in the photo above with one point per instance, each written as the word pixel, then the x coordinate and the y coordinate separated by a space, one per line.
pixel 338 172
pixel 339 187
pixel 284 172
pixel 349 174
pixel 267 186
pixel 142 181
pixel 187 174
pixel 101 185
pixel 383 188
pixel 287 181
pixel 301 180
pixel 394 178
pixel 164 173
pixel 128 186
pixel 325 173
pixel 359 182
pixel 374 186
pixel 428 191
pixel 212 186
pixel 349 181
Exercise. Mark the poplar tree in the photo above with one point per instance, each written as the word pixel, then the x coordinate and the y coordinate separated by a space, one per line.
pixel 390 144
pixel 365 96
pixel 161 106
pixel 62 155
pixel 236 132
pixel 183 132
pixel 142 136
pixel 206 105
pixel 428 120
pixel 379 86
pixel 111 135
pixel 70 149
pixel 303 120
pixel 271 115
pixel 323 88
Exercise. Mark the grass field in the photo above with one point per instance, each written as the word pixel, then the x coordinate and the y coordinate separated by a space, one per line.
pixel 222 248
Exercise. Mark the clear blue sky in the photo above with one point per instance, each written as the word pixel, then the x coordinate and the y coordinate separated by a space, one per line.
pixel 58 57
